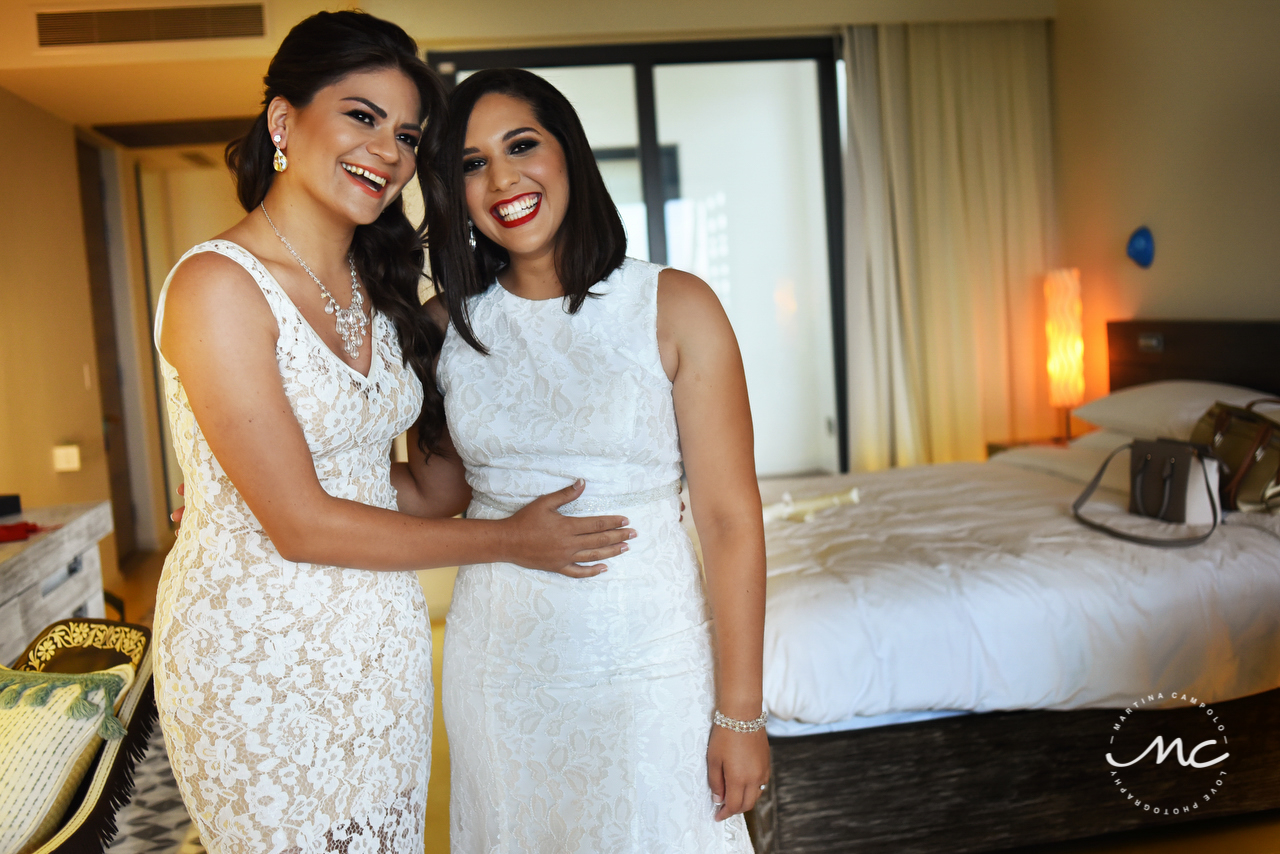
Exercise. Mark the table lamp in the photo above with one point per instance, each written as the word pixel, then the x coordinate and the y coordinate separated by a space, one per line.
pixel 1062 325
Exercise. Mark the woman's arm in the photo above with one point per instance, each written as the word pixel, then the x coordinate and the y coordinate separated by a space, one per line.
pixel 437 485
pixel 700 355
pixel 220 336
pixel 434 487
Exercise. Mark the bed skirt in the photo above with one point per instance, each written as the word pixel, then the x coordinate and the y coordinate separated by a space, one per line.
pixel 1005 779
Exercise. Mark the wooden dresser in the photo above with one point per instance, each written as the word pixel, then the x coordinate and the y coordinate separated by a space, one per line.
pixel 53 575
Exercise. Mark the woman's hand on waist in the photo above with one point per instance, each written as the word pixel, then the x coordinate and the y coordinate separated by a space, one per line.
pixel 541 538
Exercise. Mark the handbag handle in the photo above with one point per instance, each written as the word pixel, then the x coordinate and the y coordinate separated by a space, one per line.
pixel 1167 476
pixel 1176 543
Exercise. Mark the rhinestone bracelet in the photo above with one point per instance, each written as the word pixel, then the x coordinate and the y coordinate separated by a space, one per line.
pixel 741 726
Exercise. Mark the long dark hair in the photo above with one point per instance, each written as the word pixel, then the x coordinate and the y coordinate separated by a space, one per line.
pixel 389 252
pixel 591 242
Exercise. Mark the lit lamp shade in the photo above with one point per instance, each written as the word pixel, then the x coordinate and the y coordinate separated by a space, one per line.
pixel 1066 344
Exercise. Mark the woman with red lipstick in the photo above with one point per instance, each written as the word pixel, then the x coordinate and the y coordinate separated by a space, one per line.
pixel 608 715
pixel 292 657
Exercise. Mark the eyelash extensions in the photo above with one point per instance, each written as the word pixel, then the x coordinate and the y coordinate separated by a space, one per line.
pixel 361 116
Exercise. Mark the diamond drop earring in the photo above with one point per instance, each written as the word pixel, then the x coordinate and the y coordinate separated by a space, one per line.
pixel 280 162
pixel 471 226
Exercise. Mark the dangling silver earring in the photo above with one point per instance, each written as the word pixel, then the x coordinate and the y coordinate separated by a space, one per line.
pixel 472 227
pixel 280 162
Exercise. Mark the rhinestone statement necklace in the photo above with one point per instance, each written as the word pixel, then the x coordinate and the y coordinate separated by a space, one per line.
pixel 352 322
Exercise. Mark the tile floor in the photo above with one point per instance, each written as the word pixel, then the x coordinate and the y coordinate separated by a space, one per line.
pixel 155 821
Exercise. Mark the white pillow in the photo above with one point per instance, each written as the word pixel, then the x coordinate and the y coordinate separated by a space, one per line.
pixel 1101 440
pixel 1168 409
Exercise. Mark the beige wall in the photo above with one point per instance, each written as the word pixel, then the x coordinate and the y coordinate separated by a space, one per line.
pixel 182 206
pixel 136 355
pixel 48 371
pixel 1168 115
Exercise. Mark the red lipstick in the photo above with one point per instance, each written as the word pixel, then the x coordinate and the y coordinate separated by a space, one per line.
pixel 533 211
pixel 365 183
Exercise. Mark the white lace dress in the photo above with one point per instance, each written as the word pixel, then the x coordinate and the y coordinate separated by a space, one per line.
pixel 295 699
pixel 578 710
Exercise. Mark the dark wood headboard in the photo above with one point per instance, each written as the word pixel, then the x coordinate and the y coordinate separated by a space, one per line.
pixel 1237 352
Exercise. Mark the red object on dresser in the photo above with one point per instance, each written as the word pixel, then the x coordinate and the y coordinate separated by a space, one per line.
pixel 21 531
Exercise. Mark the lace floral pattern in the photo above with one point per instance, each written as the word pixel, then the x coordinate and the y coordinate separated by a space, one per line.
pixel 295 699
pixel 578 710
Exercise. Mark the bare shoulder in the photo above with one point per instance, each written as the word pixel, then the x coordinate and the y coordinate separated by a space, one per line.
pixel 693 328
pixel 209 277
pixel 685 300
pixel 209 289
pixel 438 312
pixel 679 286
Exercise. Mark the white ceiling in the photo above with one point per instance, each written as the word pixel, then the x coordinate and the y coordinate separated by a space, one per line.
pixel 174 81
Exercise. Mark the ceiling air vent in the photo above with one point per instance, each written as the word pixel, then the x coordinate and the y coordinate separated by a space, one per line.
pixel 174 23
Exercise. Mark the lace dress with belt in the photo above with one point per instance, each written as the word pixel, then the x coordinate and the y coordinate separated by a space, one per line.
pixel 578 710
pixel 295 699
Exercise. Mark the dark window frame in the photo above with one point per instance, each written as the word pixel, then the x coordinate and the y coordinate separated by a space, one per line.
pixel 643 57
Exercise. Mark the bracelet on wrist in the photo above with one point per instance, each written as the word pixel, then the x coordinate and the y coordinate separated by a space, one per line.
pixel 741 726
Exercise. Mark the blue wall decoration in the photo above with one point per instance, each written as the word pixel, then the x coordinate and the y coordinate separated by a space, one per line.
pixel 1142 247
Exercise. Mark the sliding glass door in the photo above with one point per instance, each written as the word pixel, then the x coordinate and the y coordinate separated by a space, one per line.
pixel 749 221
pixel 723 159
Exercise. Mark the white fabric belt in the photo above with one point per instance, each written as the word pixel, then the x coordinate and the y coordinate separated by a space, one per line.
pixel 593 504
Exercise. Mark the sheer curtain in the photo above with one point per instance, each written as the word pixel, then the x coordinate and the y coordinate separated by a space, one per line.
pixel 949 197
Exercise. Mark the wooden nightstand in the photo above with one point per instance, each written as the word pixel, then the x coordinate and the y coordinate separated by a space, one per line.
pixel 994 448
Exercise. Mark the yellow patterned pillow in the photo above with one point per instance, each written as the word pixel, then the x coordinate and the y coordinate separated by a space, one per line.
pixel 51 725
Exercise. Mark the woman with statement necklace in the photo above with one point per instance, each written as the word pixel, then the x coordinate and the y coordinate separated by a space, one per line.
pixel 292 654
pixel 606 715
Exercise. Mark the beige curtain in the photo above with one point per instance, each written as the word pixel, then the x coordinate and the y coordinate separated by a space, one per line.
pixel 882 315
pixel 949 203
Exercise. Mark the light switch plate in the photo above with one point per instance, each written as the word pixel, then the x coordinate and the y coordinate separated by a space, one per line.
pixel 66 458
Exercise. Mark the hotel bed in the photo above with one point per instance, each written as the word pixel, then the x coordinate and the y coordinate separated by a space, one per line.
pixel 943 658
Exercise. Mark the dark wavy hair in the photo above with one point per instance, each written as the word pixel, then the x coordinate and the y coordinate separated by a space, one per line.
pixel 591 242
pixel 389 252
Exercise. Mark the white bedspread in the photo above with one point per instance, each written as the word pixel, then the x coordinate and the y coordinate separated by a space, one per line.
pixel 971 587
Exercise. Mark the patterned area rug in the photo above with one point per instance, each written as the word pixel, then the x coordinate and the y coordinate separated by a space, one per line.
pixel 155 821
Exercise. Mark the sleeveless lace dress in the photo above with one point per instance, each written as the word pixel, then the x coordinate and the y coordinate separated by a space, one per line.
pixel 295 699
pixel 578 710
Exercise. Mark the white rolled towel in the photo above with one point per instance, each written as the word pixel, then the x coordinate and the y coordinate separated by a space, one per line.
pixel 804 509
